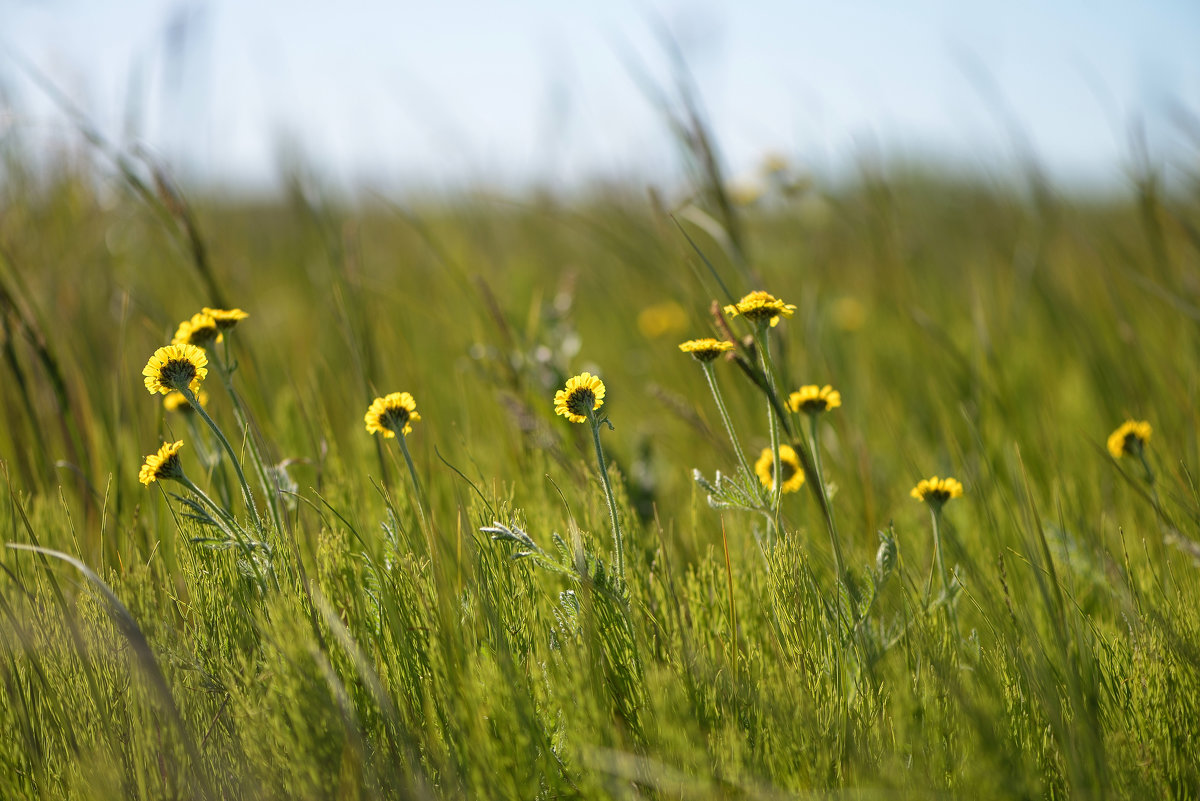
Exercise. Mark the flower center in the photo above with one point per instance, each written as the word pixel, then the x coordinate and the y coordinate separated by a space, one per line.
pixel 761 314
pixel 178 373
pixel 203 335
pixel 786 468
pixel 395 419
pixel 581 402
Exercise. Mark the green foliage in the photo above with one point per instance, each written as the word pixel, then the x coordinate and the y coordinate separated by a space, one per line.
pixel 366 646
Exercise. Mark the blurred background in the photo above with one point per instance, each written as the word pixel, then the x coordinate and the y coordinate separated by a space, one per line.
pixel 397 97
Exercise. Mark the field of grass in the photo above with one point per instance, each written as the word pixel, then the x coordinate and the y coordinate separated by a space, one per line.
pixel 365 640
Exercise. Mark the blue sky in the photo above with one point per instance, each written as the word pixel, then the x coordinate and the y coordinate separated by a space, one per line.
pixel 430 94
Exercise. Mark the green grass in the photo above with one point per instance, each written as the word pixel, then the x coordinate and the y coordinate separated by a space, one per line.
pixel 972 332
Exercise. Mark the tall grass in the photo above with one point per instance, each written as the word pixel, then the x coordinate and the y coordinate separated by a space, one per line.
pixel 489 651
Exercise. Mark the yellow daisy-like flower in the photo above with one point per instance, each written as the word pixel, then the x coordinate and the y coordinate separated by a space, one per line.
pixel 937 490
pixel 200 331
pixel 789 466
pixel 225 318
pixel 812 399
pixel 163 465
pixel 175 367
pixel 707 349
pixel 1129 438
pixel 393 413
pixel 584 394
pixel 759 307
pixel 174 401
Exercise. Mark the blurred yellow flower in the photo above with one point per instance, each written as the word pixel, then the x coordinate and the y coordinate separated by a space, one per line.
pixel 707 349
pixel 393 413
pixel 584 394
pixel 175 367
pixel 789 467
pixel 849 314
pixel 1129 438
pixel 162 465
pixel 937 490
pixel 661 319
pixel 225 318
pixel 759 307
pixel 200 330
pixel 174 401
pixel 812 399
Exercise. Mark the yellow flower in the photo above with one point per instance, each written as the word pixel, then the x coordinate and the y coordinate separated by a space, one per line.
pixel 789 466
pixel 584 394
pixel 199 331
pixel 393 413
pixel 175 367
pixel 849 314
pixel 162 465
pixel 759 307
pixel 937 490
pixel 175 402
pixel 812 399
pixel 1129 438
pixel 225 318
pixel 661 318
pixel 705 350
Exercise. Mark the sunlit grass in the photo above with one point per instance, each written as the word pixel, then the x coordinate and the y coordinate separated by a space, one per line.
pixel 496 604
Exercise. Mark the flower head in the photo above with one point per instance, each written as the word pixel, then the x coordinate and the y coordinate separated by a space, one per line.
pixel 661 318
pixel 1129 438
pixel 583 395
pixel 760 307
pixel 937 490
pixel 789 468
pixel 812 399
pixel 225 318
pixel 705 350
pixel 174 401
pixel 201 330
pixel 175 367
pixel 392 414
pixel 162 465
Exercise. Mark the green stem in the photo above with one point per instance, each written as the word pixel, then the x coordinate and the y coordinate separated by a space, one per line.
pixel 618 544
pixel 935 512
pixel 270 488
pixel 237 467
pixel 1146 465
pixel 231 526
pixel 834 539
pixel 422 501
pixel 763 337
pixel 749 476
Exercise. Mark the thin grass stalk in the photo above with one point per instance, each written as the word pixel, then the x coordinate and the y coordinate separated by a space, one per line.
pixel 733 437
pixel 834 539
pixel 618 543
pixel 269 486
pixel 250 505
pixel 762 337
pixel 935 513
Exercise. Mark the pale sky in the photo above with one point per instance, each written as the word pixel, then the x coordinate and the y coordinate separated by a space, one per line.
pixel 433 94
